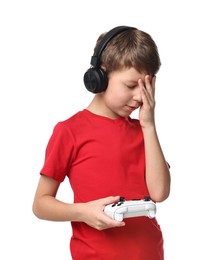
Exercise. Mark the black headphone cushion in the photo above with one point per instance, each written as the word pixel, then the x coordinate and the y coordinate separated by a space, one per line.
pixel 95 80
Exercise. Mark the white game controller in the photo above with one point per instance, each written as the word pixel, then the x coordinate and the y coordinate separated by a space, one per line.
pixel 132 208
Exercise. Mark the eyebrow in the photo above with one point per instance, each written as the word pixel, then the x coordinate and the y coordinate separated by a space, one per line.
pixel 131 81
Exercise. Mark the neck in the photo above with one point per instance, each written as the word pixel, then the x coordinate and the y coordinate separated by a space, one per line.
pixel 98 107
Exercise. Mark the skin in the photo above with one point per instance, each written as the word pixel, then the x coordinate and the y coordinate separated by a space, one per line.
pixel 127 91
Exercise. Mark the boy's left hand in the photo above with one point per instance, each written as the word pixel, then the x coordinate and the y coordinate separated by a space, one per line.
pixel 146 112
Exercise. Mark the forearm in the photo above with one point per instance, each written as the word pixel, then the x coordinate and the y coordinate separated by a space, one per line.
pixel 49 208
pixel 92 213
pixel 157 170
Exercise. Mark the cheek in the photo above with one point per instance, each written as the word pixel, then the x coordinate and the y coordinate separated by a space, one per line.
pixel 117 93
pixel 116 97
pixel 116 89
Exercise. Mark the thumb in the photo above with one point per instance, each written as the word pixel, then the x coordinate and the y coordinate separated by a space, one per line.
pixel 111 199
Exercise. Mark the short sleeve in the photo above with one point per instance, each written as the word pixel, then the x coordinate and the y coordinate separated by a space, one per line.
pixel 59 153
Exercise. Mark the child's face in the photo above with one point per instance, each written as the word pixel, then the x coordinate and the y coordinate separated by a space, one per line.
pixel 123 94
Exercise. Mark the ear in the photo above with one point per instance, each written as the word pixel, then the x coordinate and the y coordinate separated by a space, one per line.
pixel 103 68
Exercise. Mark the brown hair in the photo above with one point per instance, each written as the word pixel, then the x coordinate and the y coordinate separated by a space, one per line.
pixel 131 48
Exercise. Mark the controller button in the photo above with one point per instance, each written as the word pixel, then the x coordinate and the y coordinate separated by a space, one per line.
pixel 147 198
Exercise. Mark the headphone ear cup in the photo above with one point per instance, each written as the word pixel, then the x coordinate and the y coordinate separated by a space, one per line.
pixel 95 80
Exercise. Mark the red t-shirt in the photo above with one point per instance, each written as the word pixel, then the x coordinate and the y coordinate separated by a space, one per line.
pixel 104 157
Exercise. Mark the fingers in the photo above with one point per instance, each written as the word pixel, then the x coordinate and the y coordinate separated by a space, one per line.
pixel 146 113
pixel 150 83
pixel 107 222
pixel 148 90
pixel 97 218
pixel 153 83
pixel 113 224
pixel 92 213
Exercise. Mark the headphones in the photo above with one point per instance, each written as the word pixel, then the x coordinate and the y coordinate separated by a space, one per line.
pixel 95 78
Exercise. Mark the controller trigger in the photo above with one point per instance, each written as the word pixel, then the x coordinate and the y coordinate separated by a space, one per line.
pixel 122 199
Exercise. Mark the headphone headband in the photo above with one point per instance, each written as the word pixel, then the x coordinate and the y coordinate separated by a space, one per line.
pixel 95 59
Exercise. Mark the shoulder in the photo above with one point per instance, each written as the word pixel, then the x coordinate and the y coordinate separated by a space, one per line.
pixel 67 124
pixel 73 126
pixel 134 122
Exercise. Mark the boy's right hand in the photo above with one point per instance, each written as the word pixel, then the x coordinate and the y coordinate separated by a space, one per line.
pixel 92 213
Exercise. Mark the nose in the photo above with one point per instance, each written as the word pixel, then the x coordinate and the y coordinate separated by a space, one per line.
pixel 137 94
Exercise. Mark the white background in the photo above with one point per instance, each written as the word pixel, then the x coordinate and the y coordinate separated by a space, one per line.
pixel 45 48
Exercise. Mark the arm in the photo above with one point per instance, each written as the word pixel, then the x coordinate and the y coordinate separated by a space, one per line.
pixel 47 207
pixel 157 170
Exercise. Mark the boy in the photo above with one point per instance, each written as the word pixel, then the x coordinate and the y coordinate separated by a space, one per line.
pixel 106 154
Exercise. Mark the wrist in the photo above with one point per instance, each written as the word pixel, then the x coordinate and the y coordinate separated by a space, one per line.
pixel 150 128
pixel 79 212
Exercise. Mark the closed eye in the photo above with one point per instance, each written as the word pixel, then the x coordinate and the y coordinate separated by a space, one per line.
pixel 131 86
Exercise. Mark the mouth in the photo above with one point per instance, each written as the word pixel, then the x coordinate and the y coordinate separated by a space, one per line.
pixel 132 108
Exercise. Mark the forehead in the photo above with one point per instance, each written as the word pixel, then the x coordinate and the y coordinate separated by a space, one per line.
pixel 128 74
